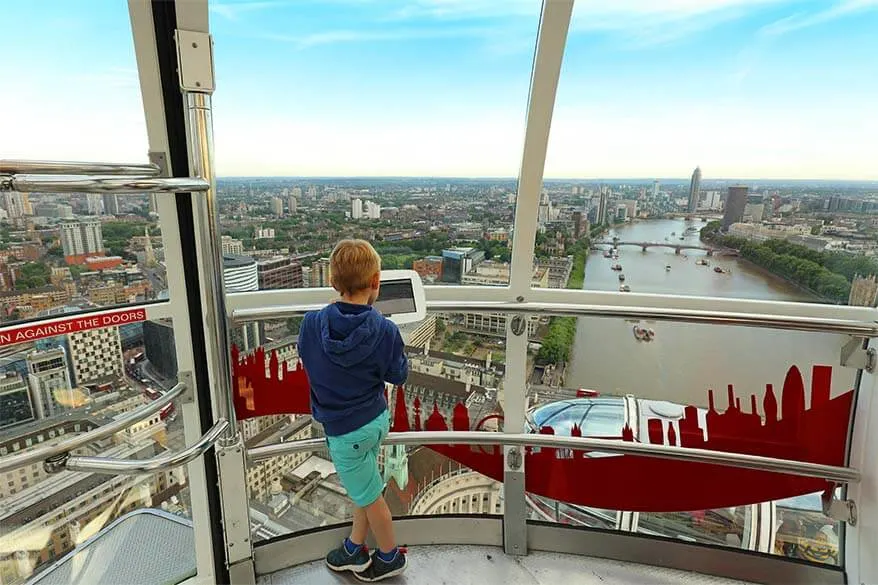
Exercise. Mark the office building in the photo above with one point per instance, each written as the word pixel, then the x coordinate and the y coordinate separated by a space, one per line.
pixel 458 261
pixel 96 355
pixel 15 400
pixel 49 378
pixel 277 206
pixel 601 213
pixel 240 274
pixel 279 273
pixel 159 346
pixel 111 204
pixel 754 210
pixel 694 190
pixel 735 203
pixel 655 188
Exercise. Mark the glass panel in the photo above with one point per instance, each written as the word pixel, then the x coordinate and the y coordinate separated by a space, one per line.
pixel 301 491
pixel 665 383
pixel 86 49
pixel 69 253
pixel 425 78
pixel 55 387
pixel 789 218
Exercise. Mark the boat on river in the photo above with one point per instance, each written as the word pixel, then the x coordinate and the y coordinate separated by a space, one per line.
pixel 616 267
pixel 624 288
pixel 621 277
pixel 702 262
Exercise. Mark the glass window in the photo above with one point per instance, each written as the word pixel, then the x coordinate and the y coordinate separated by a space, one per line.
pixel 406 100
pixel 711 210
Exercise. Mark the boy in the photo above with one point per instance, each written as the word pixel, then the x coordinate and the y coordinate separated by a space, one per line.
pixel 349 350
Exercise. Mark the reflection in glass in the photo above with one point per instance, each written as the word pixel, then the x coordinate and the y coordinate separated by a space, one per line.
pixel 59 386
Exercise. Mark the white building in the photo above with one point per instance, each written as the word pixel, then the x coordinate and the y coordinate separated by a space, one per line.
pixel 95 203
pixel 372 210
pixel 82 238
pixel 292 205
pixel 356 209
pixel 277 206
pixel 241 274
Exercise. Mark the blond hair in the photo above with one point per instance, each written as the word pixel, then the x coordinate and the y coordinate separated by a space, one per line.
pixel 352 265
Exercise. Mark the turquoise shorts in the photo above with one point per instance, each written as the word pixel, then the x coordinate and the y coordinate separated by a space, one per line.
pixel 355 456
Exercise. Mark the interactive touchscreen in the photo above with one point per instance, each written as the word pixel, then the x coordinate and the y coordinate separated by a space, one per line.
pixel 396 296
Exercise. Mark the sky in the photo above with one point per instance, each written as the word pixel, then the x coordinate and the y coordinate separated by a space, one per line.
pixel 745 89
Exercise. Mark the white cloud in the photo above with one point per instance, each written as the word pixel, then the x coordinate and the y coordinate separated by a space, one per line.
pixel 804 20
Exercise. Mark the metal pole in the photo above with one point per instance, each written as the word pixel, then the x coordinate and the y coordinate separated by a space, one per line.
pixel 219 343
pixel 47 167
pixel 94 184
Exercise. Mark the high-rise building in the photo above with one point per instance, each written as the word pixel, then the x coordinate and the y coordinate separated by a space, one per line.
pixel 694 190
pixel 48 376
pixel 655 188
pixel 601 214
pixel 577 224
pixel 277 206
pixel 735 203
pixel 754 211
pixel 320 273
pixel 81 239
pixel 15 401
pixel 458 261
pixel 356 209
pixel 279 273
pixel 14 203
pixel 95 203
pixel 240 274
pixel 312 193
pixel 160 347
pixel 292 205
pixel 372 210
pixel 96 355
pixel 111 204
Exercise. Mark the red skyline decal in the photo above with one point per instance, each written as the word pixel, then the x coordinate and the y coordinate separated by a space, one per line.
pixel 783 428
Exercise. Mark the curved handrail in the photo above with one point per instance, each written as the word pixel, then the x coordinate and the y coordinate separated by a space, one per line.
pixel 728 459
pixel 46 167
pixel 115 466
pixel 786 322
pixel 97 184
pixel 43 453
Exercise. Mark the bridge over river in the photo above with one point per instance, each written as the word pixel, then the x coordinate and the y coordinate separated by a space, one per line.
pixel 710 250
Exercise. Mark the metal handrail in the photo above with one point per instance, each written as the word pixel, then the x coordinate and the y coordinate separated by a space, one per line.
pixel 43 453
pixel 771 321
pixel 832 473
pixel 113 466
pixel 46 167
pixel 98 184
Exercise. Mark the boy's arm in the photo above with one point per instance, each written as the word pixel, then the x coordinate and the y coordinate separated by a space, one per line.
pixel 399 363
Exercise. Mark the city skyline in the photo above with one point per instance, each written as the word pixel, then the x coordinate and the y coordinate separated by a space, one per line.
pixel 750 89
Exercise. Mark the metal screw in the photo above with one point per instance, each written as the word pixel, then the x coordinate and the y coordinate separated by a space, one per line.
pixel 197 84
pixel 520 298
pixel 194 45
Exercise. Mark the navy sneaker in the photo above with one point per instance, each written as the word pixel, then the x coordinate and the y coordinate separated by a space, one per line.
pixel 341 560
pixel 381 569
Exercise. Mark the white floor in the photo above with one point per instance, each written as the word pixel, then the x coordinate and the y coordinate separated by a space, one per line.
pixel 477 565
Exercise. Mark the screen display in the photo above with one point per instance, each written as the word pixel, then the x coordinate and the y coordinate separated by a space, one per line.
pixel 396 296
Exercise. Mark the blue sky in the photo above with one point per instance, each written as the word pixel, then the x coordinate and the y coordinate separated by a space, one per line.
pixel 649 88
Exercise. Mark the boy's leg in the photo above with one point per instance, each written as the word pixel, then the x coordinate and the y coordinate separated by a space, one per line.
pixel 360 527
pixel 381 523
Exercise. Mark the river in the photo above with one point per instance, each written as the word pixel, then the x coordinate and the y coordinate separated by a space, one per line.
pixel 685 357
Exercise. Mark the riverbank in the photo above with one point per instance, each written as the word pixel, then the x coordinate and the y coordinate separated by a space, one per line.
pixel 557 345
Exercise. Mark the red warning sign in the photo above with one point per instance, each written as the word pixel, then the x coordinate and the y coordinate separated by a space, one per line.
pixel 15 335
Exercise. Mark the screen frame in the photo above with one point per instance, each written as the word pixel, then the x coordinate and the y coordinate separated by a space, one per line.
pixel 419 296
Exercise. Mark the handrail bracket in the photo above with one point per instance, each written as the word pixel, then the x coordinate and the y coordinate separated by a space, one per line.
pixel 838 509
pixel 856 354
pixel 56 463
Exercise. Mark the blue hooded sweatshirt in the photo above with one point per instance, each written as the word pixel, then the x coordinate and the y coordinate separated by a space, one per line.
pixel 349 351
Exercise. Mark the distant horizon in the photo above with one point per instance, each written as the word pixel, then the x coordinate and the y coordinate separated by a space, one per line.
pixel 634 180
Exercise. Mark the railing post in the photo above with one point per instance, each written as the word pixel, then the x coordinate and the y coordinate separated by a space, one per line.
pixel 195 58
